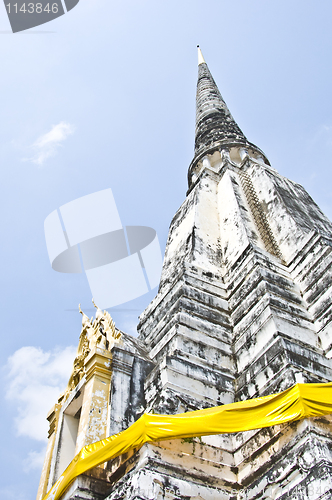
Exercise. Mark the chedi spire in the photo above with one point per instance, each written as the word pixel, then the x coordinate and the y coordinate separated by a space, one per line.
pixel 215 126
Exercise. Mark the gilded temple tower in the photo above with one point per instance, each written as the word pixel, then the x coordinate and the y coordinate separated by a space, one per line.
pixel 243 310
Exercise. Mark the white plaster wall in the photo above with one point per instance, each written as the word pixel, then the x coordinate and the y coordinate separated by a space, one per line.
pixel 233 235
pixel 67 442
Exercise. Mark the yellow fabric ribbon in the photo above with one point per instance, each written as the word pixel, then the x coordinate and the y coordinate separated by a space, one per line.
pixel 298 402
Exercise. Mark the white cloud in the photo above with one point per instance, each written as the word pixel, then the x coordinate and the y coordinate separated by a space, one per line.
pixel 322 136
pixel 34 460
pixel 14 493
pixel 48 144
pixel 35 381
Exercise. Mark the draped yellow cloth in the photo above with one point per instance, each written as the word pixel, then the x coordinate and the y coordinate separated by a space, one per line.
pixel 298 402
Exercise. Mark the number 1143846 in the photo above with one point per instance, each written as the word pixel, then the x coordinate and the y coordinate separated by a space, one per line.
pixel 32 8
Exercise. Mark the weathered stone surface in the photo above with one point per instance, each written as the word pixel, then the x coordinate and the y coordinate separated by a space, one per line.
pixel 248 268
pixel 244 309
pixel 93 486
pixel 130 367
pixel 270 319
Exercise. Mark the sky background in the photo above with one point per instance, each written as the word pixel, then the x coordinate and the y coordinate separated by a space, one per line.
pixel 104 97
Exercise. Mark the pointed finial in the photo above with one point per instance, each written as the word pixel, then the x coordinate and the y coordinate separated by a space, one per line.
pixel 99 313
pixel 85 319
pixel 201 59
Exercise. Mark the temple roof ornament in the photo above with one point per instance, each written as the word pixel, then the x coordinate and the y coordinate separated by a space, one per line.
pixel 101 333
pixel 85 319
pixel 106 324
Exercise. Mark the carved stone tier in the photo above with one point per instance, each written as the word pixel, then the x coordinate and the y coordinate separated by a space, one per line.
pixel 244 309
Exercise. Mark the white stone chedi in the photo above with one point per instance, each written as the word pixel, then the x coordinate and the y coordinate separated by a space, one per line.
pixel 243 310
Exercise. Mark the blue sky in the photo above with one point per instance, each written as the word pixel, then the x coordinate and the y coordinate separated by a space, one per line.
pixel 105 97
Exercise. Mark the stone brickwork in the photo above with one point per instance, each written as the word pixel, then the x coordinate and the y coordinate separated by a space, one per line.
pixel 243 310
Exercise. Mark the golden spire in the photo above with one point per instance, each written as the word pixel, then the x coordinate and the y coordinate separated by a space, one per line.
pixel 200 56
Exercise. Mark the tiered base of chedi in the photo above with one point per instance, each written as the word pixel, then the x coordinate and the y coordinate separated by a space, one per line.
pixel 243 310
